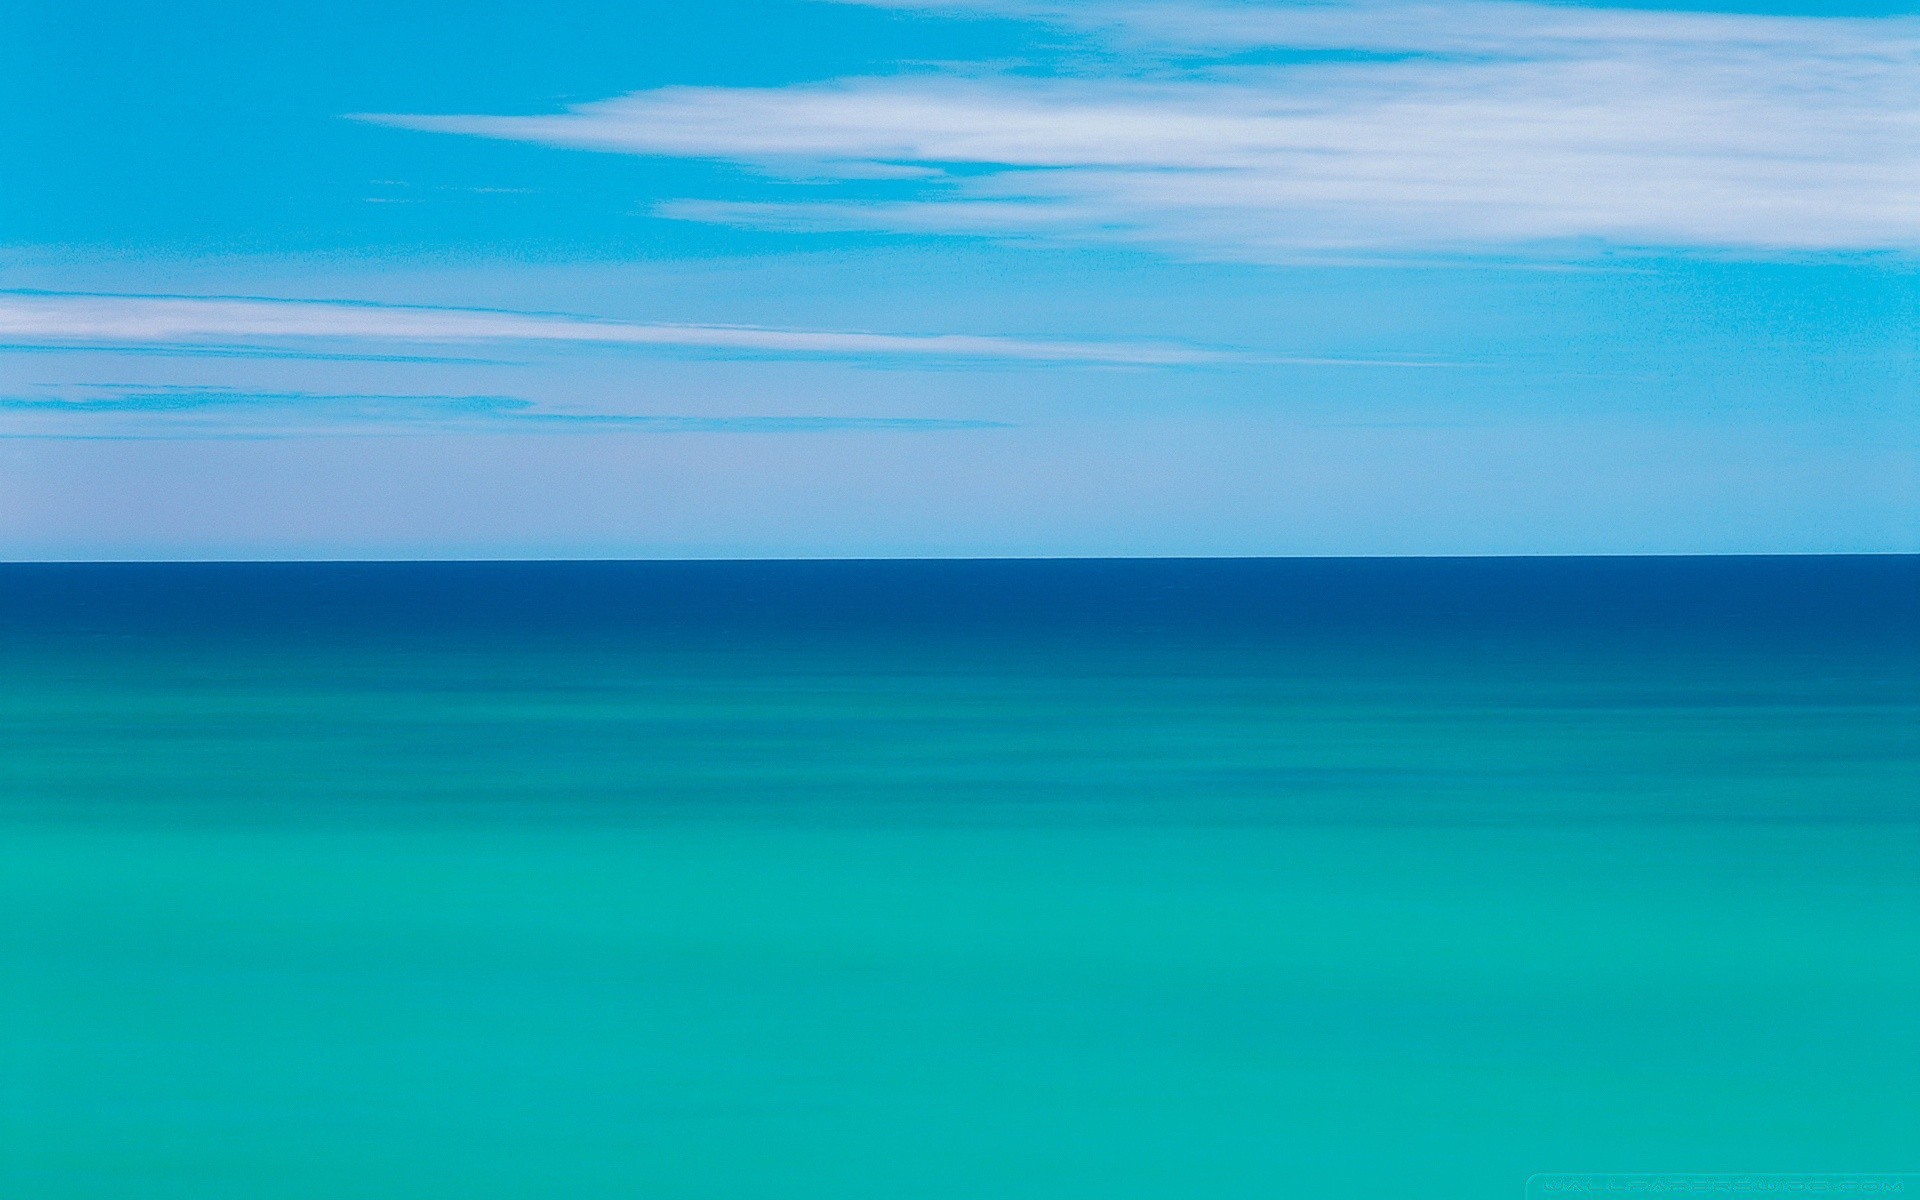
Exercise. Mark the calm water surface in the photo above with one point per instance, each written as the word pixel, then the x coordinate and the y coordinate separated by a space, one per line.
pixel 1368 878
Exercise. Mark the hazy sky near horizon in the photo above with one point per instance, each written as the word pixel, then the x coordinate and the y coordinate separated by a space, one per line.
pixel 1001 277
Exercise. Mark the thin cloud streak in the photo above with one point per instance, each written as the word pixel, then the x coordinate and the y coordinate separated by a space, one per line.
pixel 1511 28
pixel 1482 125
pixel 92 412
pixel 71 318
pixel 208 350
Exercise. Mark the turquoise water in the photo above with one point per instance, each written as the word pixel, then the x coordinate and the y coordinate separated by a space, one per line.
pixel 1018 880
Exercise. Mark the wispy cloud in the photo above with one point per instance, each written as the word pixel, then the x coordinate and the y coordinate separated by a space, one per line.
pixel 134 411
pixel 207 350
pixel 1512 28
pixel 1273 131
pixel 71 318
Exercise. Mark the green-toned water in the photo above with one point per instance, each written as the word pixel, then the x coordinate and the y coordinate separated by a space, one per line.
pixel 679 903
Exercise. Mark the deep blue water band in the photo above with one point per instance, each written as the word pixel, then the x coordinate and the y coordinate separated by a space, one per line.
pixel 1842 596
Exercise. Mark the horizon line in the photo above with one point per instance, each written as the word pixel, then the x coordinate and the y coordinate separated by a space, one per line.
pixel 1001 558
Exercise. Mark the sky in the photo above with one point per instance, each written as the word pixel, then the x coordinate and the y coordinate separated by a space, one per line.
pixel 852 278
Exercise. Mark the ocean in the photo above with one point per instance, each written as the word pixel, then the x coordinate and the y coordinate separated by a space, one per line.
pixel 1384 879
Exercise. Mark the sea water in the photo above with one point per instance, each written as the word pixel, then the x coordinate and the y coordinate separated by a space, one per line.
pixel 1366 878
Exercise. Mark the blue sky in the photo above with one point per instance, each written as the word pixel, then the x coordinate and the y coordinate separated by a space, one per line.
pixel 1007 277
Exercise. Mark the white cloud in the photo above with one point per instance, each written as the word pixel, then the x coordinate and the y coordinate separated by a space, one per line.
pixel 1473 125
pixel 60 318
